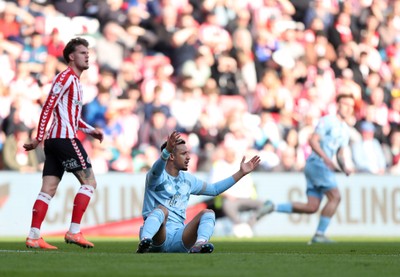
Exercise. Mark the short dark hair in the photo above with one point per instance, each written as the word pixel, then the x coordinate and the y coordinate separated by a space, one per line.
pixel 179 141
pixel 71 46
pixel 343 95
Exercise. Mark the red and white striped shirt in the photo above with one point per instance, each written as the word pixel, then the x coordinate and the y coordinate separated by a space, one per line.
pixel 65 104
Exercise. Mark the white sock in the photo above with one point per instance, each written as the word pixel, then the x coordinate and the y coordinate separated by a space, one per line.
pixel 34 233
pixel 74 228
pixel 201 240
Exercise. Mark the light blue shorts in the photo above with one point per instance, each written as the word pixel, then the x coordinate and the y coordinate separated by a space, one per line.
pixel 173 242
pixel 319 177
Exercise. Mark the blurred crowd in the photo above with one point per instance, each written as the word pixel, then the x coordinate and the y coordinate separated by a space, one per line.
pixel 250 75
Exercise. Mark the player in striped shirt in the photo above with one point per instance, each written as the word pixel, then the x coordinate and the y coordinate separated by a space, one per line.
pixel 63 150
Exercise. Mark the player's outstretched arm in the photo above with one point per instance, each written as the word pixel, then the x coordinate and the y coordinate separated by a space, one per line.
pixel 221 186
pixel 246 167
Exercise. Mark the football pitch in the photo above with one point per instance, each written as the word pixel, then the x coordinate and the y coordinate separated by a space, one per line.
pixel 231 257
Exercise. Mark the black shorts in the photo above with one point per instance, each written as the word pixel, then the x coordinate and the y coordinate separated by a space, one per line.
pixel 64 155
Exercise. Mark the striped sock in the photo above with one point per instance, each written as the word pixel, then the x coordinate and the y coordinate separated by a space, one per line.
pixel 39 211
pixel 81 202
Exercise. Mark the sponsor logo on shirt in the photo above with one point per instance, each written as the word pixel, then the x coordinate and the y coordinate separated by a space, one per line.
pixel 78 103
pixel 57 88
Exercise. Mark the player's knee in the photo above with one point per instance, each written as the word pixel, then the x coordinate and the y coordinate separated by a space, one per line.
pixel 338 198
pixel 159 214
pixel 93 184
pixel 313 208
pixel 208 213
pixel 334 197
pixel 164 210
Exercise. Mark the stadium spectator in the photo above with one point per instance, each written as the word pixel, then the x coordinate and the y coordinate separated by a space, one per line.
pixel 100 156
pixel 140 28
pixel 115 40
pixel 395 151
pixel 212 119
pixel 341 32
pixel 185 41
pixel 104 11
pixel 213 35
pixel 34 54
pixel 367 153
pixel 154 131
pixel 163 78
pixel 270 94
pixel 292 158
pixel 55 45
pixel 394 110
pixel 95 111
pixel 319 48
pixel 186 108
pixel 15 23
pixel 14 155
pixel 238 199
pixel 197 69
pixel 254 35
pixel 325 10
pixel 155 103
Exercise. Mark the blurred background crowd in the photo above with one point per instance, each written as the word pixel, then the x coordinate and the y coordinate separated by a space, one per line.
pixel 249 75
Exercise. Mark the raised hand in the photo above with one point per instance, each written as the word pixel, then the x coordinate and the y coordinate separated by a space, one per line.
pixel 249 166
pixel 171 141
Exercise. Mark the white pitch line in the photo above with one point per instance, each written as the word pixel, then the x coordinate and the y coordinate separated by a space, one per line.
pixel 17 251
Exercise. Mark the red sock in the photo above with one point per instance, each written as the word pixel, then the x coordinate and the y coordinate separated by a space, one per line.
pixel 81 202
pixel 38 213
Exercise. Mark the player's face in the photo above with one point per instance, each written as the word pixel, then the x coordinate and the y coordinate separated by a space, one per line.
pixel 181 157
pixel 346 107
pixel 81 57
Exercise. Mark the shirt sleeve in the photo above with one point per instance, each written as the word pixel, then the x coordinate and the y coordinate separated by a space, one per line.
pixel 155 173
pixel 85 127
pixel 216 188
pixel 322 126
pixel 57 90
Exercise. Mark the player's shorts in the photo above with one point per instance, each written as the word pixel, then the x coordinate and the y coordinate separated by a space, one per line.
pixel 64 155
pixel 320 178
pixel 173 242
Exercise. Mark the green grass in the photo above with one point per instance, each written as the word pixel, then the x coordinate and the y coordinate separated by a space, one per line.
pixel 261 257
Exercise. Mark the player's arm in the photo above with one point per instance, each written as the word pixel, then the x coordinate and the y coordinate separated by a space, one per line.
pixel 90 130
pixel 314 142
pixel 158 167
pixel 221 186
pixel 343 166
pixel 45 115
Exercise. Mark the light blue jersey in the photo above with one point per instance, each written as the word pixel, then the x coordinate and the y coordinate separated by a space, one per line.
pixel 174 192
pixel 333 135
